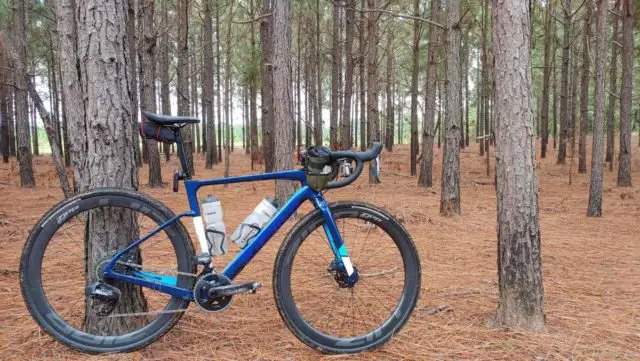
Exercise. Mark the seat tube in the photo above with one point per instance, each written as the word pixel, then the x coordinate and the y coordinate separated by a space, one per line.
pixel 333 234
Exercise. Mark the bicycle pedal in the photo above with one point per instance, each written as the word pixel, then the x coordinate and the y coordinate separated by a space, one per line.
pixel 234 289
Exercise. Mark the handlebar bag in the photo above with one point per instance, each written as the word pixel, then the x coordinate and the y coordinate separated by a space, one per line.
pixel 318 167
pixel 157 132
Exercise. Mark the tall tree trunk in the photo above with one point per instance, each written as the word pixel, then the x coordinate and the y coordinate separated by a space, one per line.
pixel 74 101
pixel 21 101
pixel 425 178
pixel 282 101
pixel 480 97
pixel 55 109
pixel 148 86
pixel 363 91
pixel 573 101
pixel 613 80
pixel 414 86
pixel 555 99
pixel 298 133
pixel 336 65
pixel 255 152
pixel 565 109
pixel 318 80
pixel 108 136
pixel 205 121
pixel 52 136
pixel 388 136
pixel 5 114
pixel 266 42
pixel 346 134
pixel 218 95
pixel 584 92
pixel 182 73
pixel 11 125
pixel 193 83
pixel 465 78
pixel 613 85
pixel 164 73
pixel 132 45
pixel 549 37
pixel 450 192
pixel 211 156
pixel 372 83
pixel 34 128
pixel 624 167
pixel 228 106
pixel 521 299
pixel 309 101
pixel 594 208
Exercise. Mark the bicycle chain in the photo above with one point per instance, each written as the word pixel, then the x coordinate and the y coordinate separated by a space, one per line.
pixel 160 272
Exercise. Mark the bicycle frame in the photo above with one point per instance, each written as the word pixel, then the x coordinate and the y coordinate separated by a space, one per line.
pixel 168 284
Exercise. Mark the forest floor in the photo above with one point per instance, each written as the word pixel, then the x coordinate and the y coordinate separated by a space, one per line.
pixel 591 270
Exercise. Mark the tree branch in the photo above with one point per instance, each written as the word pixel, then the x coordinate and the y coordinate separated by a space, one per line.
pixel 258 18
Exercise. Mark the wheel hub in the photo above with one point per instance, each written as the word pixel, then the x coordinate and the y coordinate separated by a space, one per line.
pixel 340 275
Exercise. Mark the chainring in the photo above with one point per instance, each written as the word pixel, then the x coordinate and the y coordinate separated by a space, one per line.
pixel 201 292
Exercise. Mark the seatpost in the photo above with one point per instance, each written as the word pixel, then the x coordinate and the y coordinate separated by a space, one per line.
pixel 182 155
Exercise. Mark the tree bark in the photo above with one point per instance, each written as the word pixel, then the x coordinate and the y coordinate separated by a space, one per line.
pixel 282 101
pixel 228 106
pixel 266 42
pixel 255 152
pixel 426 163
pixel 624 167
pixel 594 208
pixel 165 93
pixel 132 44
pixel 450 192
pixel 520 302
pixel 363 91
pixel 565 109
pixel 108 135
pixel 211 156
pixel 555 98
pixel 584 92
pixel 72 93
pixel 34 127
pixel 613 85
pixel 148 86
pixel 20 95
pixel 415 66
pixel 388 135
pixel 54 142
pixel 372 83
pixel 218 95
pixel 182 73
pixel 336 65
pixel 549 37
pixel 318 80
pixel 5 114
pixel 346 134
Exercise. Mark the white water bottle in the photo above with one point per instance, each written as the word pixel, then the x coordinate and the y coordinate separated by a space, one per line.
pixel 212 211
pixel 254 222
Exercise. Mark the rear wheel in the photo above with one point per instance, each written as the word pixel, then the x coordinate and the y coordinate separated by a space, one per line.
pixel 67 251
pixel 314 299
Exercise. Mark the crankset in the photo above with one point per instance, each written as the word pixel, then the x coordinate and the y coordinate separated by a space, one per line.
pixel 213 292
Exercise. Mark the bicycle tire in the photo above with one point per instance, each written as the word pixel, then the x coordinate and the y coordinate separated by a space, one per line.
pixel 36 300
pixel 282 283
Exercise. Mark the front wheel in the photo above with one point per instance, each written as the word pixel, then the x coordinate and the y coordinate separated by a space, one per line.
pixel 312 297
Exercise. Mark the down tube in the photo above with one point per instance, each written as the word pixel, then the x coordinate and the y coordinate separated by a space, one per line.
pixel 247 254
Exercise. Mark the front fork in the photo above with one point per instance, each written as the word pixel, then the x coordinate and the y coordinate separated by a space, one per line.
pixel 334 238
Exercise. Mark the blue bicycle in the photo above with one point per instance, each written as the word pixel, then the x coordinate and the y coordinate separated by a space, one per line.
pixel 112 270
